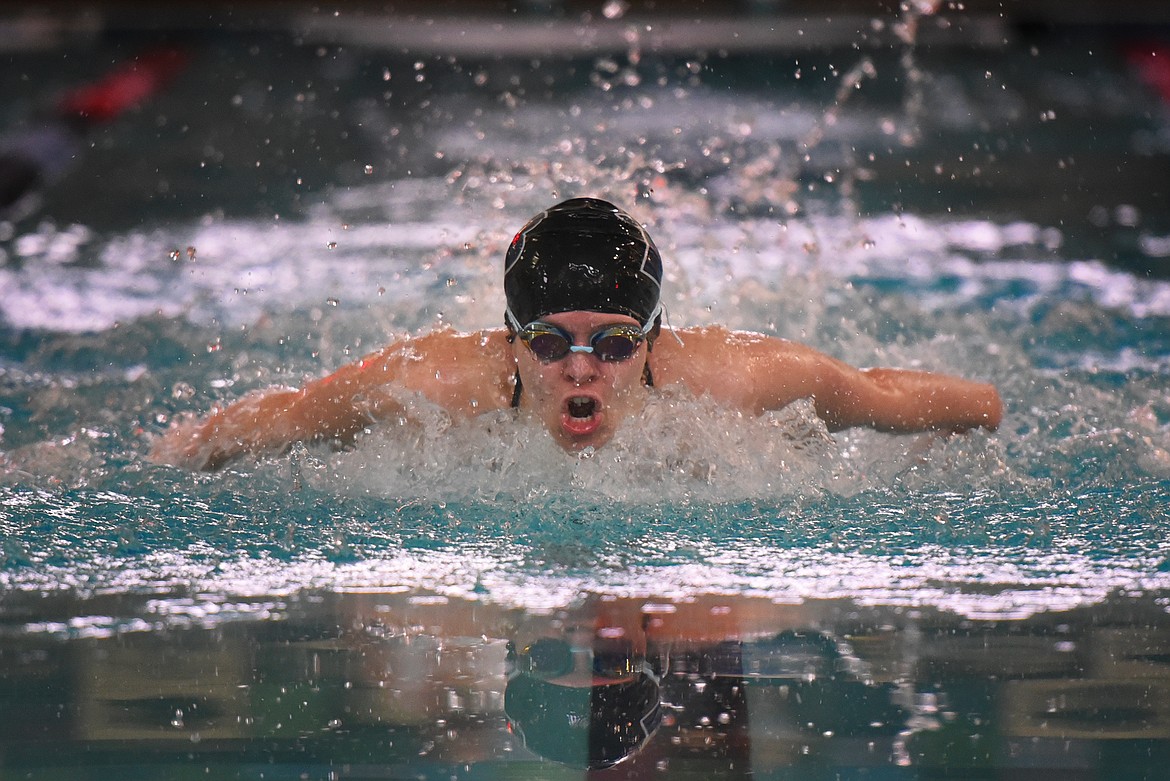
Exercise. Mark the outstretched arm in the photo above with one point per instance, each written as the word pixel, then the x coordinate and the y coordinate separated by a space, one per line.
pixel 464 374
pixel 334 407
pixel 902 400
pixel 758 373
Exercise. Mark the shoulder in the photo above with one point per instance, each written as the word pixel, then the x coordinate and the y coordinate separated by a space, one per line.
pixel 442 348
pixel 738 367
pixel 718 346
pixel 448 345
pixel 458 371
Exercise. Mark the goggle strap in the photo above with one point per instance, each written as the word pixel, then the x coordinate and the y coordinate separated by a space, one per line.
pixel 646 329
pixel 512 321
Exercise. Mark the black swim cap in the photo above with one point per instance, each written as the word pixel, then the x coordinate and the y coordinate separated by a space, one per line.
pixel 583 254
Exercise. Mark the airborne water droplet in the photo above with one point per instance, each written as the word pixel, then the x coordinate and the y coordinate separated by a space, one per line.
pixel 614 9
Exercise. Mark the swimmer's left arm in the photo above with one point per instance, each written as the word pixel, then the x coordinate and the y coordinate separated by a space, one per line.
pixel 891 400
pixel 905 400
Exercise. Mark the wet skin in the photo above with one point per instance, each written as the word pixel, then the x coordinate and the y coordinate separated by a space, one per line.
pixel 580 400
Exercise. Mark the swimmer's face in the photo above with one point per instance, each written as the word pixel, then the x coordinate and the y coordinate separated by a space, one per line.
pixel 581 399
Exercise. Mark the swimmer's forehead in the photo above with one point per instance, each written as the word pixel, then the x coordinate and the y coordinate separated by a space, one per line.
pixel 586 316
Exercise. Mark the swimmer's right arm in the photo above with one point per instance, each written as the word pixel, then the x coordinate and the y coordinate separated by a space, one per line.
pixel 464 374
pixel 335 407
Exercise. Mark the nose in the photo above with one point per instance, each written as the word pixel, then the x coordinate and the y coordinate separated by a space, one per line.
pixel 579 367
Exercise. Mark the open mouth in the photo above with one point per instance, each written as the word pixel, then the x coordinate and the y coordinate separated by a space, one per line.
pixel 581 417
pixel 582 407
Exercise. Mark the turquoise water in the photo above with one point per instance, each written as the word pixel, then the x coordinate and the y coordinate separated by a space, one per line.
pixel 847 606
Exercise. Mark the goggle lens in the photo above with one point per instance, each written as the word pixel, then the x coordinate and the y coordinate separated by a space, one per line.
pixel 615 347
pixel 548 346
pixel 549 343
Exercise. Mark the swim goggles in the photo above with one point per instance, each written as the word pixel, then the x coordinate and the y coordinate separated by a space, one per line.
pixel 550 343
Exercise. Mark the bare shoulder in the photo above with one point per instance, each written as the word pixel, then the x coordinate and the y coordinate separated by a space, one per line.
pixel 717 349
pixel 461 372
pixel 730 365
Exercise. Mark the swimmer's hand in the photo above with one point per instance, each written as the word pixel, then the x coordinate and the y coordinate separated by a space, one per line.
pixel 193 442
pixel 190 442
pixel 266 421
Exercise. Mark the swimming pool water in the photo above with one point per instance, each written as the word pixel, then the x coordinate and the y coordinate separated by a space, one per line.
pixel 812 606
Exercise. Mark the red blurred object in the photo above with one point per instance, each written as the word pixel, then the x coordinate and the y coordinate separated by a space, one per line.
pixel 124 87
pixel 35 156
pixel 1151 60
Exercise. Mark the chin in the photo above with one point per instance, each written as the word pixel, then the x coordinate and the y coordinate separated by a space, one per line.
pixel 577 444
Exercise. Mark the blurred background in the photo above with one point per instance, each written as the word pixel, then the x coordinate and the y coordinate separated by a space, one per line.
pixel 1007 110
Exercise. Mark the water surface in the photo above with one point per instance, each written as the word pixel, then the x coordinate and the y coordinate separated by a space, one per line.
pixel 814 605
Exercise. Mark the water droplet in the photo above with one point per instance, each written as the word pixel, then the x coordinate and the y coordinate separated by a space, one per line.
pixel 1127 215
pixel 614 9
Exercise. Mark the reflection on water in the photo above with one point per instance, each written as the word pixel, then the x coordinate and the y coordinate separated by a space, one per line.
pixel 387 685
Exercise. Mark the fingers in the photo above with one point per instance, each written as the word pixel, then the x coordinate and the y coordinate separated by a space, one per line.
pixel 187 443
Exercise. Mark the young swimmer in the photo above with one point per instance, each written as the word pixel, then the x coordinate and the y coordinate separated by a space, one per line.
pixel 579 352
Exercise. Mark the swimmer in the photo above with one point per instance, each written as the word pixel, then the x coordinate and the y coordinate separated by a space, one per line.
pixel 579 353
